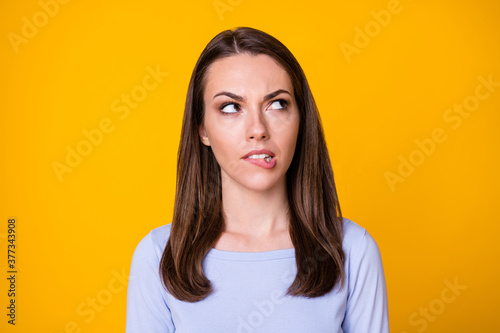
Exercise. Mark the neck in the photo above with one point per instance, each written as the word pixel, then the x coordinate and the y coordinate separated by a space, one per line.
pixel 258 214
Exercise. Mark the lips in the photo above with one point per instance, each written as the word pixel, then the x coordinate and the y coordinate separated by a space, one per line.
pixel 258 152
pixel 261 162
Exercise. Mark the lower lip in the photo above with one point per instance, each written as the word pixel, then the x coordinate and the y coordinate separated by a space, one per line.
pixel 262 162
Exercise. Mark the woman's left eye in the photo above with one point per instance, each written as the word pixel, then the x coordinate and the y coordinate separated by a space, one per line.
pixel 279 104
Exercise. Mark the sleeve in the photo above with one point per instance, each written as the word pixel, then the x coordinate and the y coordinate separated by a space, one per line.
pixel 367 307
pixel 147 310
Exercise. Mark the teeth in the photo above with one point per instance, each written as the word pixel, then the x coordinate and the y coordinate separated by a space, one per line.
pixel 264 156
pixel 259 156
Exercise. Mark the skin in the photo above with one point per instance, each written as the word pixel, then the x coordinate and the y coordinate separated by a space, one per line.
pixel 254 198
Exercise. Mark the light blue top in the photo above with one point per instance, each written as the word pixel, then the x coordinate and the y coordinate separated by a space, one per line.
pixel 249 292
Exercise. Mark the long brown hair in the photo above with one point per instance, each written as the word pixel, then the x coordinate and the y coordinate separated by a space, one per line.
pixel 316 223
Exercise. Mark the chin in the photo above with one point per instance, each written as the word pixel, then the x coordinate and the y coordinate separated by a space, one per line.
pixel 259 188
pixel 255 182
pixel 260 184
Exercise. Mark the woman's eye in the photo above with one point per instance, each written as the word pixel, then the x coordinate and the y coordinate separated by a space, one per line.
pixel 279 104
pixel 229 108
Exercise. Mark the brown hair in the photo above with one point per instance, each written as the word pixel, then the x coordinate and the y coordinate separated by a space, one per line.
pixel 316 223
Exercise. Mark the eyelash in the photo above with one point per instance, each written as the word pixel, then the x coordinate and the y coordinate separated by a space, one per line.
pixel 284 102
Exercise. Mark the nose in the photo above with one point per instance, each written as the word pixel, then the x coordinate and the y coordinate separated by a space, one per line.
pixel 256 126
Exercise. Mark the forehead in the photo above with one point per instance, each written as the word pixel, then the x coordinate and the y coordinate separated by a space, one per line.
pixel 244 72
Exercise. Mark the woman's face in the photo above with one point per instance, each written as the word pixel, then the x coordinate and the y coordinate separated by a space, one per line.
pixel 249 105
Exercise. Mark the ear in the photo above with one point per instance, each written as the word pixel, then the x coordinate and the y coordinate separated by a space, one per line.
pixel 203 135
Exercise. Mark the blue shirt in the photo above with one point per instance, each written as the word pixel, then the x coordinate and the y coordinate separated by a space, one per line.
pixel 249 292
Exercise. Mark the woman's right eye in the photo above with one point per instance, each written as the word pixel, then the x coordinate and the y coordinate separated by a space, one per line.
pixel 229 108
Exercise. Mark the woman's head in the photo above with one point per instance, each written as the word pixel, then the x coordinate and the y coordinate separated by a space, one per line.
pixel 231 53
pixel 316 223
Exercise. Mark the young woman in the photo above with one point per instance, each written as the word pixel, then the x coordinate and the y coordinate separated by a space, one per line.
pixel 257 242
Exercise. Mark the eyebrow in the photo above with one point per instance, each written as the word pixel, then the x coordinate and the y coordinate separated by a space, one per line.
pixel 242 99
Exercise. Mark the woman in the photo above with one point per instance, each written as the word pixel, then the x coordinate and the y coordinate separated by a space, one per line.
pixel 257 242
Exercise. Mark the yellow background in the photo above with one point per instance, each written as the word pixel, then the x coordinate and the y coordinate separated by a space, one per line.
pixel 75 235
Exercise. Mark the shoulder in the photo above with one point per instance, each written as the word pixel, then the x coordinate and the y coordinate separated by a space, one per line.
pixel 153 243
pixel 353 232
pixel 366 307
pixel 357 240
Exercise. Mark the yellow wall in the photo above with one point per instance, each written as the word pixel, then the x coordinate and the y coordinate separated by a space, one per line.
pixel 417 174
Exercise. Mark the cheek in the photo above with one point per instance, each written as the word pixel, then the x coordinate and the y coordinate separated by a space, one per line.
pixel 286 128
pixel 287 137
pixel 219 133
pixel 223 144
pixel 286 122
